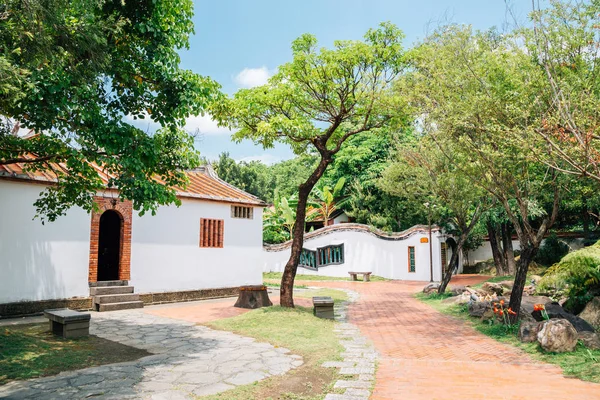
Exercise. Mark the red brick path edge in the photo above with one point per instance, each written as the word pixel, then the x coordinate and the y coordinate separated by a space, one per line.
pixel 428 355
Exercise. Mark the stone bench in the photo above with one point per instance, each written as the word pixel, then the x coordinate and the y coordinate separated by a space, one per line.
pixel 68 323
pixel 366 276
pixel 323 307
pixel 253 296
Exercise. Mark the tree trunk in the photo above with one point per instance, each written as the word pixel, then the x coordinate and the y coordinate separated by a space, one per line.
pixel 527 254
pixel 507 247
pixel 453 265
pixel 286 292
pixel 496 252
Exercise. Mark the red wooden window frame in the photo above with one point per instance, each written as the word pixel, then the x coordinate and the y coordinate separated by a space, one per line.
pixel 211 232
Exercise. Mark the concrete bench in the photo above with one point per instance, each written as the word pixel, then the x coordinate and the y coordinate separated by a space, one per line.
pixel 366 276
pixel 323 307
pixel 68 323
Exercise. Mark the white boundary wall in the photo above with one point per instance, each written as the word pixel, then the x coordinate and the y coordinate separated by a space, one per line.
pixel 367 252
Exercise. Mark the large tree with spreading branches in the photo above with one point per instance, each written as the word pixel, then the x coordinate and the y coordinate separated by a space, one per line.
pixel 315 103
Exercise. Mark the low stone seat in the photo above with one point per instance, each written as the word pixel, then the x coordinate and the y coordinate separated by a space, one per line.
pixel 254 296
pixel 323 307
pixel 68 323
pixel 366 276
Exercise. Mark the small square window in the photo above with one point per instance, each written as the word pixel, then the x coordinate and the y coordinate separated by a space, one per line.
pixel 211 232
pixel 242 212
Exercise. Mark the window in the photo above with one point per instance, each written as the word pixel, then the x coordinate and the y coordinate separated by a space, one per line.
pixel 444 251
pixel 411 259
pixel 330 255
pixel 242 212
pixel 308 259
pixel 211 232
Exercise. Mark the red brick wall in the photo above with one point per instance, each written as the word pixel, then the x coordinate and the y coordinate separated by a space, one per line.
pixel 123 208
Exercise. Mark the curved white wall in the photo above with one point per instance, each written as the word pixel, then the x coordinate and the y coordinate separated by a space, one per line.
pixel 40 262
pixel 364 252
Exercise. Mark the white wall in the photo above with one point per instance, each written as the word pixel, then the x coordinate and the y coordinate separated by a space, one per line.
pixel 364 252
pixel 39 262
pixel 165 252
pixel 342 218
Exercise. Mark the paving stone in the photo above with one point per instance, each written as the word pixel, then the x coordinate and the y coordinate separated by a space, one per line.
pixel 357 371
pixel 352 384
pixel 357 392
pixel 189 361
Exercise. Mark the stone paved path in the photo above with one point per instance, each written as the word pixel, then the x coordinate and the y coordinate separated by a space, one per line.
pixel 188 361
pixel 427 355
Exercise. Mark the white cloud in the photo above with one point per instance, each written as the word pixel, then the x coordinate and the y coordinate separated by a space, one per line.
pixel 250 77
pixel 205 125
pixel 265 158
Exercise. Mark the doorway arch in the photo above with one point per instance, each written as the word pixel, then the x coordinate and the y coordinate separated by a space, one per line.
pixel 109 245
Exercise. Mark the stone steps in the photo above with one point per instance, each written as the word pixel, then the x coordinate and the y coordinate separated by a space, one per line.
pixel 116 298
pixel 114 295
pixel 102 290
pixel 126 305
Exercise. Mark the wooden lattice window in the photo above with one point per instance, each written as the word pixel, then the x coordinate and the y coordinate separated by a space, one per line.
pixel 211 232
pixel 308 259
pixel 444 251
pixel 330 255
pixel 411 259
pixel 242 212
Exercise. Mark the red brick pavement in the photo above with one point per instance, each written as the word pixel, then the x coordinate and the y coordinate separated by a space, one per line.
pixel 427 355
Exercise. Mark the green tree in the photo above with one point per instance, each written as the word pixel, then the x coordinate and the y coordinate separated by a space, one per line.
pixel 469 89
pixel 253 177
pixel 426 176
pixel 77 72
pixel 317 101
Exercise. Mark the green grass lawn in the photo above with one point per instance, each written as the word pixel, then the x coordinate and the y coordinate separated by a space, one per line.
pixel 29 351
pixel 301 332
pixel 300 277
pixel 583 363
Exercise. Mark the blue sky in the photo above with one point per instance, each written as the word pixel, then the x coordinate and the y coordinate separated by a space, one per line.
pixel 240 42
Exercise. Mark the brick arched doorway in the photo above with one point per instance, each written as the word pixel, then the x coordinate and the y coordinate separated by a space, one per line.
pixel 109 209
pixel 109 245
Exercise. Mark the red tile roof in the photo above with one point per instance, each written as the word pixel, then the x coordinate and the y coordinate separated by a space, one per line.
pixel 204 183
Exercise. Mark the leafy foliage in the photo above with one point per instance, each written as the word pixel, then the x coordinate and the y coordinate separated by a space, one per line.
pixel 78 72
pixel 577 276
pixel 551 251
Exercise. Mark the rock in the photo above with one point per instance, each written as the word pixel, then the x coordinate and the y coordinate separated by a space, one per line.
pixel 557 336
pixel 555 311
pixel 430 288
pixel 481 309
pixel 535 279
pixel 591 313
pixel 507 284
pixel 527 302
pixel 492 288
pixel 529 290
pixel 462 299
pixel 528 331
pixel 457 290
pixel 590 340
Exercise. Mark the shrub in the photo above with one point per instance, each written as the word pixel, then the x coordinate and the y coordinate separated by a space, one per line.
pixel 551 251
pixel 577 276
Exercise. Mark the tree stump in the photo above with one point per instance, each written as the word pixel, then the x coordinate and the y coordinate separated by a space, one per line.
pixel 253 297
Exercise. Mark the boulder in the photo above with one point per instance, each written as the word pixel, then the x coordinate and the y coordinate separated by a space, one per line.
pixel 481 309
pixel 557 336
pixel 590 340
pixel 528 331
pixel 492 288
pixel 457 290
pixel 591 313
pixel 431 288
pixel 506 284
pixel 527 302
pixel 555 311
pixel 461 299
